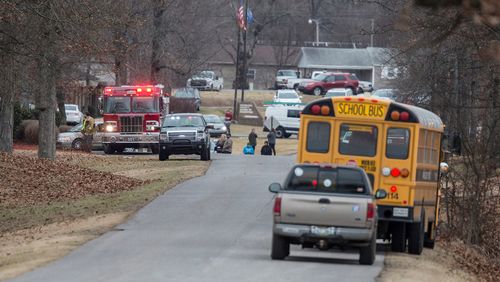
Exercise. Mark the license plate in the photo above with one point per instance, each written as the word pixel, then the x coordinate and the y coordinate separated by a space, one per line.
pixel 322 231
pixel 400 212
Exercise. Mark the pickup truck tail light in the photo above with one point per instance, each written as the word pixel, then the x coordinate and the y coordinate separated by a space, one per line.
pixel 370 211
pixel 277 206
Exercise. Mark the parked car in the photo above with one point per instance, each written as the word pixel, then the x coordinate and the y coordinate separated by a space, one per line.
pixel 73 114
pixel 282 77
pixel 339 92
pixel 287 96
pixel 326 81
pixel 389 94
pixel 206 80
pixel 188 93
pixel 184 134
pixel 73 138
pixel 365 86
pixel 324 206
pixel 219 127
pixel 293 83
pixel 285 119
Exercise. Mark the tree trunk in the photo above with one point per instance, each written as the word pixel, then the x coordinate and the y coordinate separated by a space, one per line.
pixel 6 105
pixel 155 44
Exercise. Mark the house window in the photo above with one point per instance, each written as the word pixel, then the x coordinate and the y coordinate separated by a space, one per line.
pixel 251 73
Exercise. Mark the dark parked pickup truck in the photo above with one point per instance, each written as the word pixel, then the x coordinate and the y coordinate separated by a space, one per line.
pixel 325 206
pixel 184 134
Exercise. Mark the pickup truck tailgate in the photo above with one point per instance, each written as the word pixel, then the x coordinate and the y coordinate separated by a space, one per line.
pixel 324 209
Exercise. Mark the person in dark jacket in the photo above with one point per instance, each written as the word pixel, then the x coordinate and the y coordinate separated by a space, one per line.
pixel 271 138
pixel 252 138
pixel 266 149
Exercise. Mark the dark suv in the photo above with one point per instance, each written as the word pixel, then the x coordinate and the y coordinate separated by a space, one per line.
pixel 326 81
pixel 184 134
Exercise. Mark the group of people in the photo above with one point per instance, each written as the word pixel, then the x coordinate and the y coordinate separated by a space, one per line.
pixel 224 145
pixel 269 147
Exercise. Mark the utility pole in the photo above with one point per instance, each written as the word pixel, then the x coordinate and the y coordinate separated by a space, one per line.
pixel 237 78
pixel 373 30
pixel 244 74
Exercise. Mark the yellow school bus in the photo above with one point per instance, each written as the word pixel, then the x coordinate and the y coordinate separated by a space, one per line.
pixel 398 146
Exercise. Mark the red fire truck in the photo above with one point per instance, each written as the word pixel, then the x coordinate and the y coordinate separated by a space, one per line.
pixel 132 115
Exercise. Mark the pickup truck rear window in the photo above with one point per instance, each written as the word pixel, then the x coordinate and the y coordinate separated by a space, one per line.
pixel 327 180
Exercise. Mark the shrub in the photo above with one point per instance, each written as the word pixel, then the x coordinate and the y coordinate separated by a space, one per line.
pixel 31 131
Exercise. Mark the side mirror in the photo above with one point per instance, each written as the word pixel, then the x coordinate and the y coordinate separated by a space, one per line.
pixel 444 168
pixel 275 188
pixel 209 126
pixel 380 194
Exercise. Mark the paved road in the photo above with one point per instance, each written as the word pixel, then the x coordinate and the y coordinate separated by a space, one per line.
pixel 212 228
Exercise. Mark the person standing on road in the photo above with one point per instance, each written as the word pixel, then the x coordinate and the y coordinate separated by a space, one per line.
pixel 88 129
pixel 271 138
pixel 252 139
pixel 266 149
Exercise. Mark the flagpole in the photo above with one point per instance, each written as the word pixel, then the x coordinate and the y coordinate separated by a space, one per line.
pixel 244 74
pixel 237 77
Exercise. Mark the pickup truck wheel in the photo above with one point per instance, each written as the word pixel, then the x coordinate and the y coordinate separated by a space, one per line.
pixel 280 247
pixel 367 254
pixel 317 91
pixel 204 154
pixel 416 237
pixel 108 149
pixel 163 155
pixel 280 132
pixel 398 237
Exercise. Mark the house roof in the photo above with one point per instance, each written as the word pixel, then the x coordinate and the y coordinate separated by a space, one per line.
pixel 262 55
pixel 342 58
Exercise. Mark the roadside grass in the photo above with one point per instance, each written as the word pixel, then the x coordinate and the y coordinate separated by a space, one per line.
pixel 161 176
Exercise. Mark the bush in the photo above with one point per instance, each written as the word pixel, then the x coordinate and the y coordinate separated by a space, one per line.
pixel 31 131
pixel 20 114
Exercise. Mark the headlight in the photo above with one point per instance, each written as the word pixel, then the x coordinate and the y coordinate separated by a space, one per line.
pixel 111 126
pixel 223 128
pixel 163 136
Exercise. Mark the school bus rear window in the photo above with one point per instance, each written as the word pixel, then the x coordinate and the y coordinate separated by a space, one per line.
pixel 318 137
pixel 398 142
pixel 358 140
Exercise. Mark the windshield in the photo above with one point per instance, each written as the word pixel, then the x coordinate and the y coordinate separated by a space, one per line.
pixel 71 108
pixel 203 74
pixel 320 77
pixel 335 93
pixel 287 95
pixel 287 73
pixel 114 105
pixel 183 120
pixel 212 119
pixel 183 93
pixel 327 180
pixel 76 128
pixel 145 105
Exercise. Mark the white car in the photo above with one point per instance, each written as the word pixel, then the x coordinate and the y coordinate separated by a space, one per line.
pixel 365 86
pixel 285 119
pixel 73 114
pixel 287 96
pixel 338 92
pixel 206 80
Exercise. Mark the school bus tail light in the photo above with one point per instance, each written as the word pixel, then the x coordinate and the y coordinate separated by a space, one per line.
pixel 395 115
pixel 404 116
pixel 325 110
pixel 394 189
pixel 405 173
pixel 315 109
pixel 395 172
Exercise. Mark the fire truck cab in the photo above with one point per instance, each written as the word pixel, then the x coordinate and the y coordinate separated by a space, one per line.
pixel 132 115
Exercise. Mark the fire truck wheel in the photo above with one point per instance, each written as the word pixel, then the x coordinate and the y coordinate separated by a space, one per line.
pixel 108 149
pixel 163 155
pixel 155 149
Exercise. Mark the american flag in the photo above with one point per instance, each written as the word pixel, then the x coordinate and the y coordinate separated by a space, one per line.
pixel 241 17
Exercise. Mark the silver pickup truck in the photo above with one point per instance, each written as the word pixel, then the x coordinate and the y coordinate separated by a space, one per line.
pixel 325 206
